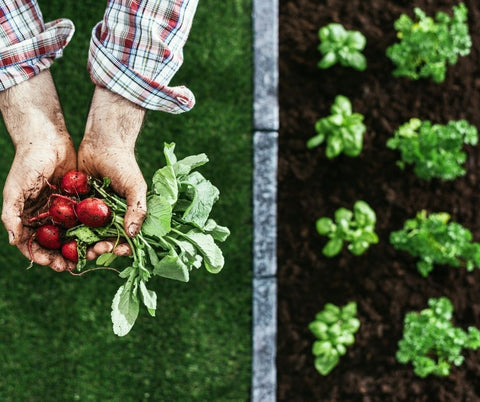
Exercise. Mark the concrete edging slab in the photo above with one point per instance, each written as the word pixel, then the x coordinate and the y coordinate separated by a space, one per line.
pixel 265 150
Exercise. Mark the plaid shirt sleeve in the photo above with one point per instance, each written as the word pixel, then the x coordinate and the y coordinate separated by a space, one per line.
pixel 27 45
pixel 138 47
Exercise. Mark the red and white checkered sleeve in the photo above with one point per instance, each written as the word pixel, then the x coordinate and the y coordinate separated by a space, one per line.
pixel 138 47
pixel 27 45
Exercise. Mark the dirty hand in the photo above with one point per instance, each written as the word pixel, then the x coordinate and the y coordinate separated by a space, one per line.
pixel 108 150
pixel 44 152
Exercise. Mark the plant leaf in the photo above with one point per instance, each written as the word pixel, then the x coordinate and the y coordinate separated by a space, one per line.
pixel 219 233
pixel 315 141
pixel 203 195
pixel 168 151
pixel 124 311
pixel 149 298
pixel 357 61
pixel 324 225
pixel 84 234
pixel 164 183
pixel 328 60
pixel 106 259
pixel 333 247
pixel 187 164
pixel 172 267
pixel 326 360
pixel 213 257
pixel 159 216
pixel 341 106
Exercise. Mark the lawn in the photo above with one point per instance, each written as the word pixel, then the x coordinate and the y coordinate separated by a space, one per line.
pixel 56 341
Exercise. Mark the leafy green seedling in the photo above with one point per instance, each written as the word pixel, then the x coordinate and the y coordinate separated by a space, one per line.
pixel 435 150
pixel 342 130
pixel 427 45
pixel 430 341
pixel 356 228
pixel 435 240
pixel 335 328
pixel 339 45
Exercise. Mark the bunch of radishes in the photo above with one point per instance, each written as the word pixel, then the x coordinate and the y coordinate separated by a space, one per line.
pixel 71 206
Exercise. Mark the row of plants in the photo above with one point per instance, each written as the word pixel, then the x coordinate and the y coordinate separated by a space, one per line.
pixel 434 150
pixel 430 342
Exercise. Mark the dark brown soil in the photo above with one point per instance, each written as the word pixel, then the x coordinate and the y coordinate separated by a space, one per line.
pixel 384 282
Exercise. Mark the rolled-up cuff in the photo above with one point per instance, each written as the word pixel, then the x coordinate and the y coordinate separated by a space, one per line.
pixel 150 93
pixel 23 60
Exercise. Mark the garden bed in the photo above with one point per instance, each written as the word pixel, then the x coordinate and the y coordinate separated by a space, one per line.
pixel 384 282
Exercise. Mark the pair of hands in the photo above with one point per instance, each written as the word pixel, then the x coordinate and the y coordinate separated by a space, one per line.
pixel 44 152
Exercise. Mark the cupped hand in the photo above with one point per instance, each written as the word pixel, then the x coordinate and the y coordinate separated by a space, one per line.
pixel 43 153
pixel 108 150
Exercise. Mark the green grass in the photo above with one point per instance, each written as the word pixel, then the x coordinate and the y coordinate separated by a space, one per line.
pixel 56 341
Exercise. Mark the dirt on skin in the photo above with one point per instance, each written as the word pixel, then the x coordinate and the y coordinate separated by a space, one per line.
pixel 384 282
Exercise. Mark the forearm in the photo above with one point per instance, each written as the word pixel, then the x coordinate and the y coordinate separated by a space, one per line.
pixel 113 120
pixel 32 113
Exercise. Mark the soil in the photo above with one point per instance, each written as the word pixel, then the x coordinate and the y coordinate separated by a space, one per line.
pixel 384 282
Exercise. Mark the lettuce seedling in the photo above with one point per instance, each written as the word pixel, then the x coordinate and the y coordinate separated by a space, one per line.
pixel 432 343
pixel 335 328
pixel 343 130
pixel 427 45
pixel 435 240
pixel 435 150
pixel 356 228
pixel 338 45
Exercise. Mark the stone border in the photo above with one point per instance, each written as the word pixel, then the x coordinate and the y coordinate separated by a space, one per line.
pixel 265 150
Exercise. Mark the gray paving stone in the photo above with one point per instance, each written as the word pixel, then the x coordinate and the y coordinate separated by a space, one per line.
pixel 266 124
pixel 265 204
pixel 265 44
pixel 264 376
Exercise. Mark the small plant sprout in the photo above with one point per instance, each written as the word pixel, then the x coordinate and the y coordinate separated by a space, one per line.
pixel 339 45
pixel 427 45
pixel 435 240
pixel 356 227
pixel 335 328
pixel 342 130
pixel 435 150
pixel 432 343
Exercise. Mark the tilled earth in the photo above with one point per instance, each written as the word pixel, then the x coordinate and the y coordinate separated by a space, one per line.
pixel 384 282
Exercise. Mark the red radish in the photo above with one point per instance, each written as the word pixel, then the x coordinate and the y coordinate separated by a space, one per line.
pixel 61 211
pixel 49 236
pixel 93 212
pixel 75 182
pixel 70 251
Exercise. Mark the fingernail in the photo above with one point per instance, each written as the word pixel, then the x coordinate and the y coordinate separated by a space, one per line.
pixel 11 236
pixel 133 229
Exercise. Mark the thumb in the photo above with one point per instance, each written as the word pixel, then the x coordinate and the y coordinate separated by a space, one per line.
pixel 11 217
pixel 136 197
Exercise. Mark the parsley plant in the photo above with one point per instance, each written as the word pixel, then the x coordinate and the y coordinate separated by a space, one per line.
pixel 427 44
pixel 356 228
pixel 435 240
pixel 435 150
pixel 339 45
pixel 432 343
pixel 334 327
pixel 342 130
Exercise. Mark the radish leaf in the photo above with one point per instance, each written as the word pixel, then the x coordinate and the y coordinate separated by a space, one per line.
pixel 124 311
pixel 159 215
